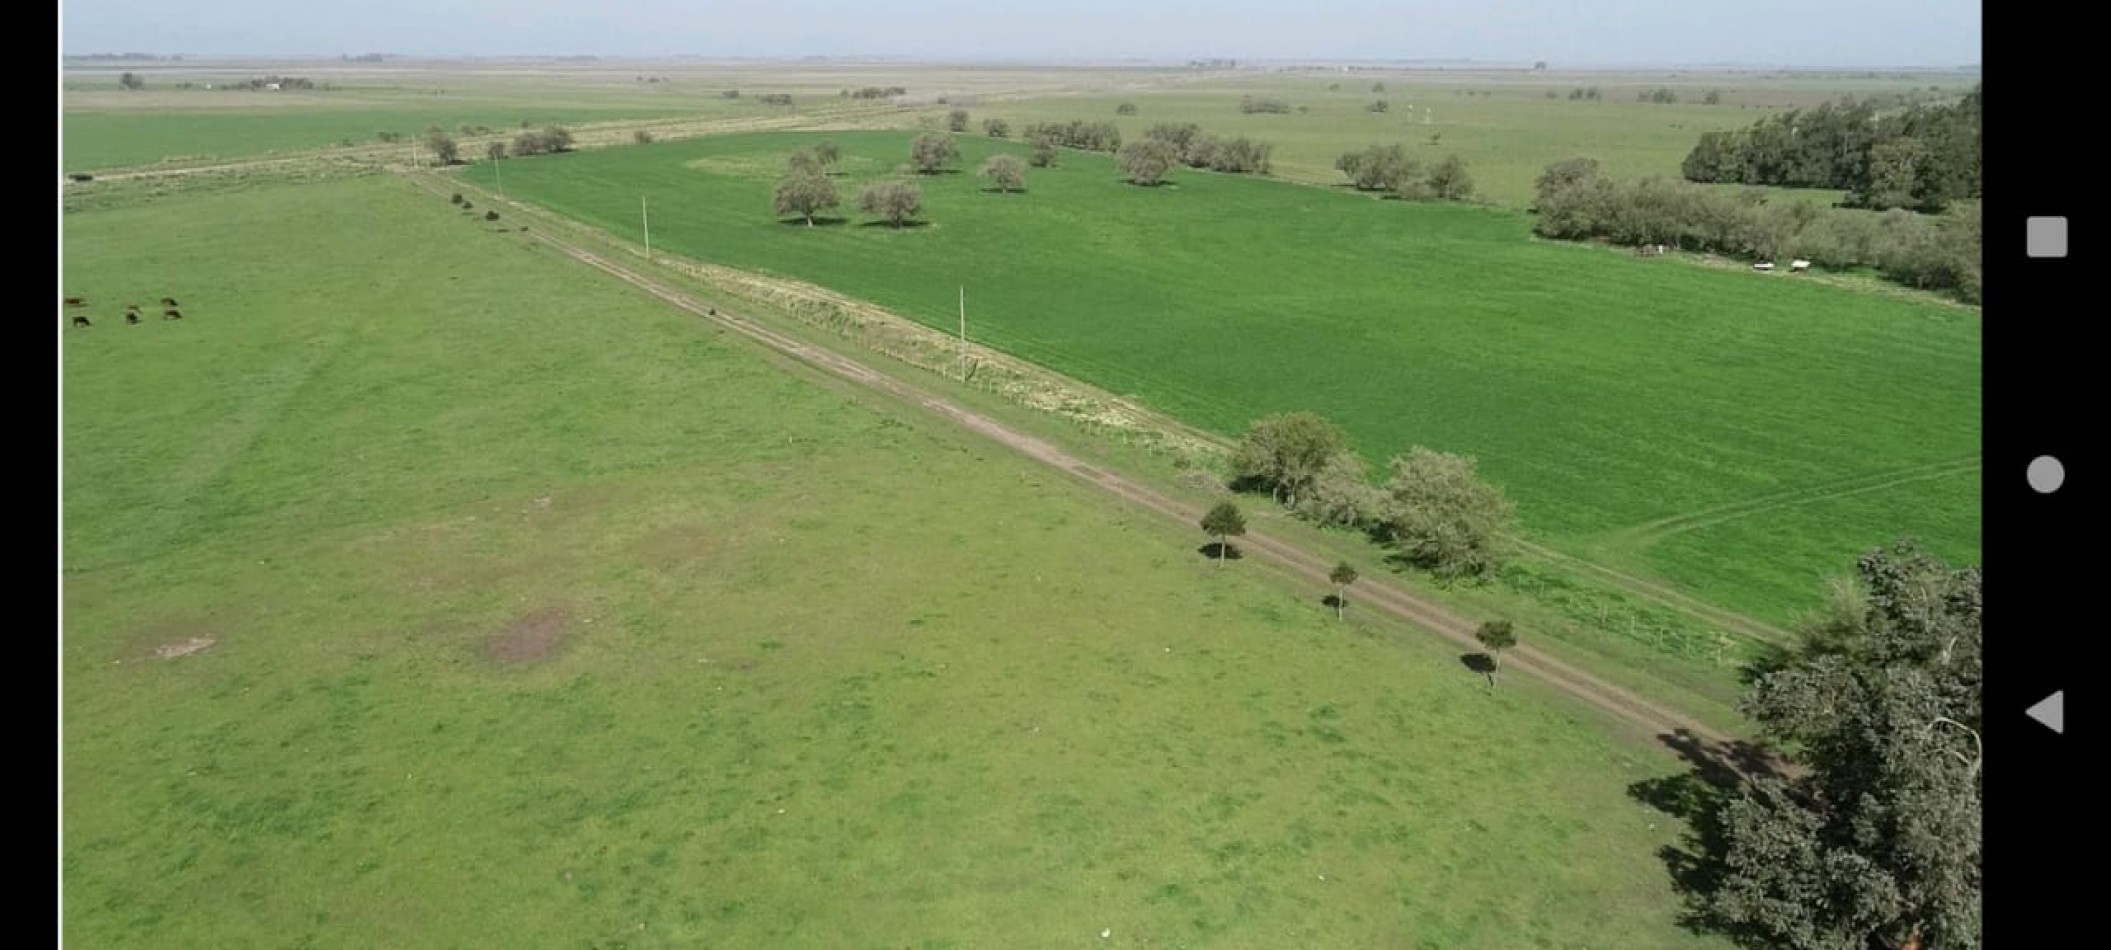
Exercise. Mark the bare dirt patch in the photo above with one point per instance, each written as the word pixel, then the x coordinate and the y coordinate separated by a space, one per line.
pixel 530 637
pixel 170 651
pixel 167 639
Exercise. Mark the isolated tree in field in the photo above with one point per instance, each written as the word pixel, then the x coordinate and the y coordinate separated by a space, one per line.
pixel 1145 162
pixel 1221 522
pixel 896 201
pixel 1342 576
pixel 641 137
pixel 826 153
pixel 1126 108
pixel 1378 87
pixel 1449 180
pixel 1286 452
pixel 442 145
pixel 1442 517
pixel 1713 98
pixel 1496 636
pixel 1878 842
pixel 131 81
pixel 957 120
pixel 1378 106
pixel 932 151
pixel 996 128
pixel 804 193
pixel 495 151
pixel 802 162
pixel 1006 172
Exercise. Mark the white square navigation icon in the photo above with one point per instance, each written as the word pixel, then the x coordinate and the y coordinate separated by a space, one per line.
pixel 2045 237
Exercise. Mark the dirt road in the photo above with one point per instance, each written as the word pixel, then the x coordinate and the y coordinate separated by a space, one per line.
pixel 1626 706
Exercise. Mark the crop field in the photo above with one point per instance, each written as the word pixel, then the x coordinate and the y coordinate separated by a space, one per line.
pixel 540 615
pixel 1603 392
pixel 1502 124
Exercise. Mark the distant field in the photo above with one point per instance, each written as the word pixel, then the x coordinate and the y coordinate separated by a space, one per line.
pixel 1602 391
pixel 543 617
pixel 1503 126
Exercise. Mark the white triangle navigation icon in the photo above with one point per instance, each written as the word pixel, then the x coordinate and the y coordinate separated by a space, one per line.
pixel 2052 711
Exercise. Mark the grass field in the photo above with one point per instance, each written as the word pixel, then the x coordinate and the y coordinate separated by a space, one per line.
pixel 544 617
pixel 1602 391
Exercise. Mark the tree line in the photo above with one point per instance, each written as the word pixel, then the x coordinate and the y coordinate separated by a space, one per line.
pixel 874 92
pixel 1941 252
pixel 1076 133
pixel 1196 148
pixel 1889 153
pixel 1390 169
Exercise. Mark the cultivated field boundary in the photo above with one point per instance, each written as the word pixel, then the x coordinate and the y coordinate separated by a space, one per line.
pixel 1623 705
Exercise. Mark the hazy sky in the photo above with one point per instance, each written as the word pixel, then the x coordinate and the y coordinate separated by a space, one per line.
pixel 1814 33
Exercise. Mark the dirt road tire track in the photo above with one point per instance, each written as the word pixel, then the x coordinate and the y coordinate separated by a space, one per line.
pixel 1624 705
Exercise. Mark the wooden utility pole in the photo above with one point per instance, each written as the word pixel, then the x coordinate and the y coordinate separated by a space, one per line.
pixel 963 333
pixel 646 214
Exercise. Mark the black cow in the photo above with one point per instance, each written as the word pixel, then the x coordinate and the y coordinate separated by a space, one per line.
pixel 82 322
pixel 168 302
pixel 132 318
pixel 172 315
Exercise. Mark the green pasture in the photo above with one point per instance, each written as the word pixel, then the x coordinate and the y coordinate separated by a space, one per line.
pixel 542 615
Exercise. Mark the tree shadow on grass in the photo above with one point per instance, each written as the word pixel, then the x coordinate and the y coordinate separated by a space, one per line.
pixel 1480 663
pixel 891 226
pixel 1002 191
pixel 1230 552
pixel 1716 776
pixel 819 222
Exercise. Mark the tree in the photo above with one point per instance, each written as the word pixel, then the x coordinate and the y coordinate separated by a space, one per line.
pixel 1449 179
pixel 932 151
pixel 1442 517
pixel 1496 636
pixel 996 128
pixel 1043 155
pixel 826 152
pixel 1378 106
pixel 1221 522
pixel 1378 168
pixel 957 120
pixel 1343 575
pixel 641 137
pixel 1126 108
pixel 896 201
pixel 495 151
pixel 1286 452
pixel 1539 67
pixel 1877 843
pixel 1378 87
pixel 442 145
pixel 1006 171
pixel 803 162
pixel 1146 162
pixel 804 192
pixel 1713 98
pixel 131 81
pixel 557 138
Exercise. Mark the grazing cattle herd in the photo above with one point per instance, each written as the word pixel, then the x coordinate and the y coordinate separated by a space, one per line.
pixel 168 311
